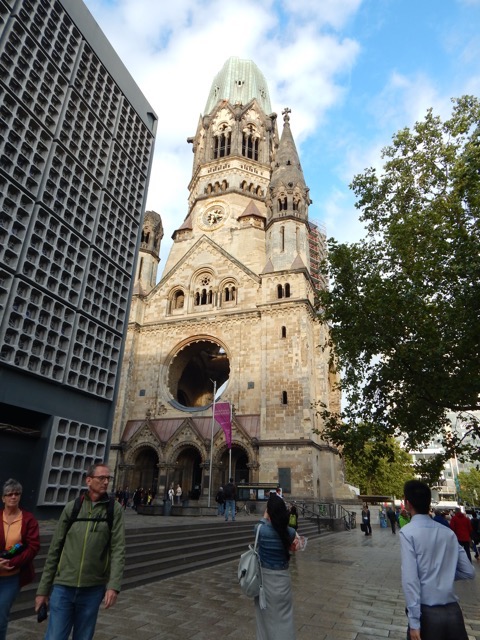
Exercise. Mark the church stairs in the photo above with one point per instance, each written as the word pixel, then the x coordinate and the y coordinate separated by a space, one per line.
pixel 159 552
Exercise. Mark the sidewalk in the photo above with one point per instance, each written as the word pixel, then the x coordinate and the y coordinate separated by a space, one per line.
pixel 346 587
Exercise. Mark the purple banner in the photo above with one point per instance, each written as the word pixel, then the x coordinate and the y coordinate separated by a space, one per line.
pixel 222 415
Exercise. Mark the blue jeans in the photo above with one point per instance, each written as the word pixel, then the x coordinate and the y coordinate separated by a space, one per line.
pixel 221 509
pixel 229 506
pixel 72 607
pixel 9 588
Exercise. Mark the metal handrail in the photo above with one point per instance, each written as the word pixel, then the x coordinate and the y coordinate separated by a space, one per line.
pixel 327 511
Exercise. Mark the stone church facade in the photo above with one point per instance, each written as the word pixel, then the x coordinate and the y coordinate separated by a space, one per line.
pixel 235 312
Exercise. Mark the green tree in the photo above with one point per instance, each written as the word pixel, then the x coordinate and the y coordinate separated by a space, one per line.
pixel 470 486
pixel 386 477
pixel 404 302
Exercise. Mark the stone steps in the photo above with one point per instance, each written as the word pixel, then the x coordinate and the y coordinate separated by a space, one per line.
pixel 158 553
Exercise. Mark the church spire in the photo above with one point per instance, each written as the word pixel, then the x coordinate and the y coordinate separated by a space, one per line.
pixel 238 82
pixel 289 195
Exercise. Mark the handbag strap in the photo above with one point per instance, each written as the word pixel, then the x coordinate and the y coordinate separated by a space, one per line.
pixel 256 536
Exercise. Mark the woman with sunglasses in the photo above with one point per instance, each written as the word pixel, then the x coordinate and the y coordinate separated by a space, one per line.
pixel 19 544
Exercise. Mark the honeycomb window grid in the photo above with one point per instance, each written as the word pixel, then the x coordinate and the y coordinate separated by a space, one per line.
pixel 5 12
pixel 114 220
pixel 76 136
pixel 15 213
pixel 20 49
pixel 104 103
pixel 91 371
pixel 18 159
pixel 138 146
pixel 39 80
pixel 61 48
pixel 70 192
pixel 125 180
pixel 74 446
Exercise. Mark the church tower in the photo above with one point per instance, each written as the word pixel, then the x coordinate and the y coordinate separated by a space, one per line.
pixel 233 315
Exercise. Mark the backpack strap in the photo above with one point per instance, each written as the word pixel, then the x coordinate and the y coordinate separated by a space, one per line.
pixel 77 505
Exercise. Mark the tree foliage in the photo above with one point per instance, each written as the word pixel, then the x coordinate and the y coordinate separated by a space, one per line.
pixel 470 486
pixel 404 303
pixel 385 477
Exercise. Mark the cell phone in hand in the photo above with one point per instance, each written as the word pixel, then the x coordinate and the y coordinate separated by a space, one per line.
pixel 42 613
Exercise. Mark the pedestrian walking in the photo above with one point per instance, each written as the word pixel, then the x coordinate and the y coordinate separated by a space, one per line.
pixel 178 493
pixel 220 500
pixel 230 493
pixel 462 527
pixel 431 560
pixel 392 519
pixel 366 520
pixel 275 621
pixel 19 544
pixel 91 551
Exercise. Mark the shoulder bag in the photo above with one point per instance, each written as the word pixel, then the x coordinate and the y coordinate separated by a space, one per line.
pixel 250 573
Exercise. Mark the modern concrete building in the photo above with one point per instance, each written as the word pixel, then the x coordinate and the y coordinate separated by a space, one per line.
pixel 235 311
pixel 76 145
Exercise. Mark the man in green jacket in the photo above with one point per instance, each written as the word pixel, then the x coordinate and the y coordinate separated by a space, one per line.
pixel 85 561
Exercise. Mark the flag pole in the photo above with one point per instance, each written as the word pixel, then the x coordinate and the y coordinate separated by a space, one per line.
pixel 211 441
pixel 230 448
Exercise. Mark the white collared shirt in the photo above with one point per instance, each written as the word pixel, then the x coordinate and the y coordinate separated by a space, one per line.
pixel 431 560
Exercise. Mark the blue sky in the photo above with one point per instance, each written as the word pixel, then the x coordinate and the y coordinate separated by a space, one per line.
pixel 352 71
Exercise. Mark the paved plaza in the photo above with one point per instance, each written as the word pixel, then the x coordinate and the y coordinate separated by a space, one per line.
pixel 346 587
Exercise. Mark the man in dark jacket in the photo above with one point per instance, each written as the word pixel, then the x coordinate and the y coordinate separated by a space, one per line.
pixel 220 500
pixel 392 519
pixel 85 562
pixel 230 494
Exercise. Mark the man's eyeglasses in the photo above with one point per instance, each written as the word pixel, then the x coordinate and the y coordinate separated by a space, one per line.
pixel 103 478
pixel 14 493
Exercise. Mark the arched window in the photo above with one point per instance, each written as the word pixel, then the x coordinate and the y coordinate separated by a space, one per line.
pixel 221 143
pixel 287 290
pixel 229 293
pixel 284 332
pixel 282 239
pixel 279 291
pixel 178 300
pixel 204 295
pixel 250 143
pixel 284 397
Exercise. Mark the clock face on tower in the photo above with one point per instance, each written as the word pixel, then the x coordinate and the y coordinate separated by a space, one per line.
pixel 213 217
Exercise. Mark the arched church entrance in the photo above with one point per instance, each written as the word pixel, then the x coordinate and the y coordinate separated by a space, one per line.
pixel 145 471
pixel 188 473
pixel 240 470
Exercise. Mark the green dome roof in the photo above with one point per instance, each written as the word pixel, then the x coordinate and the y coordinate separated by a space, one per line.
pixel 239 81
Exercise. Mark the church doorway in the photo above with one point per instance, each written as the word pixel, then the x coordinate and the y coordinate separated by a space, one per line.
pixel 188 473
pixel 145 472
pixel 240 470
